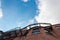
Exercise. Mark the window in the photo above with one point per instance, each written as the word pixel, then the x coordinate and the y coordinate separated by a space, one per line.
pixel 35 31
pixel 1 35
pixel 58 27
pixel 48 30
pixel 13 34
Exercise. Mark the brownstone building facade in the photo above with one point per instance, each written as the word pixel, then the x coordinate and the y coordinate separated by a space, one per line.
pixel 37 31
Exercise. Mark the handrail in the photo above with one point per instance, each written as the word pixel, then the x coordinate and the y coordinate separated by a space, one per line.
pixel 38 24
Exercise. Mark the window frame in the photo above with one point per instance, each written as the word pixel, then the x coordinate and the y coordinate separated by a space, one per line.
pixel 58 27
pixel 36 31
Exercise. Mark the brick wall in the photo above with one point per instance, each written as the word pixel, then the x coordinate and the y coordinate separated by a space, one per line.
pixel 43 35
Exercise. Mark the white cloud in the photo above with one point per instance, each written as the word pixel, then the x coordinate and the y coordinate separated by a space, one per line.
pixel 25 0
pixel 0 3
pixel 1 29
pixel 19 24
pixel 23 23
pixel 1 14
pixel 49 11
pixel 31 21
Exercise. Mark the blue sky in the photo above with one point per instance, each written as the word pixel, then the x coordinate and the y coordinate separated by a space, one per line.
pixel 17 13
